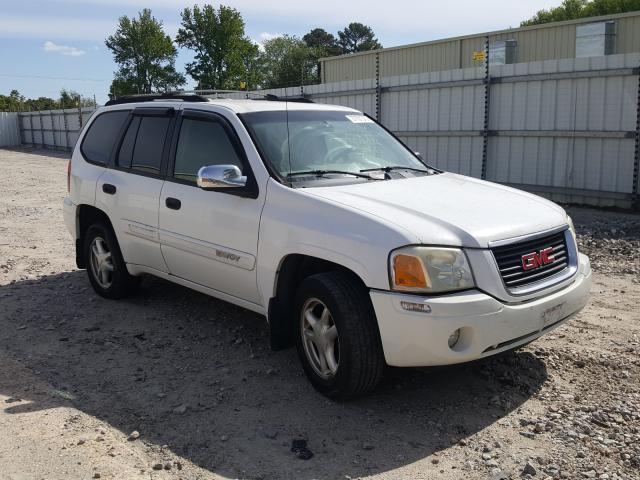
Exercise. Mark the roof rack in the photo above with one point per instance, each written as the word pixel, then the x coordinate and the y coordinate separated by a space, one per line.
pixel 185 97
pixel 202 96
pixel 275 98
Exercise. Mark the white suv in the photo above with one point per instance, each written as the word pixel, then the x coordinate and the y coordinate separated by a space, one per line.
pixel 317 217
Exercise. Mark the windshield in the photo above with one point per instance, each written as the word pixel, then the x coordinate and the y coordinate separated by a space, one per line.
pixel 332 142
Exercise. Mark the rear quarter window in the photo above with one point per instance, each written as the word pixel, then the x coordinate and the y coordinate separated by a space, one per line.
pixel 102 136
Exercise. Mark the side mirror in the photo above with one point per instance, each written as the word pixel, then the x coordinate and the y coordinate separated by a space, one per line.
pixel 220 176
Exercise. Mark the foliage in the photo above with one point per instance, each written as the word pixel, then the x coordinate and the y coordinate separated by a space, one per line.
pixel 325 43
pixel 71 98
pixel 145 56
pixel 224 55
pixel 15 102
pixel 357 37
pixel 574 9
pixel 288 61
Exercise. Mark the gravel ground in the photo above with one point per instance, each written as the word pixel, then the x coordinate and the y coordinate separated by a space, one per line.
pixel 173 384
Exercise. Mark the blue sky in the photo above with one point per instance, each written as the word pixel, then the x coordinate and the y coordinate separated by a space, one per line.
pixel 49 45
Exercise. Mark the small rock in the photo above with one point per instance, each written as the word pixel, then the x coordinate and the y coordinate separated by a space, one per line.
pixel 497 474
pixel 299 448
pixel 180 410
pixel 271 434
pixel 529 469
pixel 368 446
pixel 96 475
pixel 224 438
pixel 589 474
pixel 168 465
pixel 82 441
pixel 158 466
pixel 134 435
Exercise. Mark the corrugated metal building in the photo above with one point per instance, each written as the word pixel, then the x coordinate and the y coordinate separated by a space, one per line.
pixel 595 36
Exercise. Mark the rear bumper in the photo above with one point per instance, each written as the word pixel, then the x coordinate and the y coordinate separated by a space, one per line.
pixel 69 214
pixel 487 325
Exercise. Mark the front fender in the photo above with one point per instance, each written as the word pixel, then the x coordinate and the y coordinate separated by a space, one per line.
pixel 296 222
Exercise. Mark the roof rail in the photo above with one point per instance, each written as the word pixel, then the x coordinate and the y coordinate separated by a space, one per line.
pixel 275 98
pixel 185 97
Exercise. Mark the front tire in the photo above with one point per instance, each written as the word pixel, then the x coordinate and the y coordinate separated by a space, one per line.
pixel 337 335
pixel 106 268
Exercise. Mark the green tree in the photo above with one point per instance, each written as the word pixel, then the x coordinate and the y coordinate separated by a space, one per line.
pixel 357 37
pixel 288 61
pixel 145 56
pixel 253 66
pixel 574 9
pixel 325 43
pixel 71 98
pixel 608 7
pixel 12 102
pixel 222 49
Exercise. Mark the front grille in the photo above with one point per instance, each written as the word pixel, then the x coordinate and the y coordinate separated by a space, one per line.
pixel 510 262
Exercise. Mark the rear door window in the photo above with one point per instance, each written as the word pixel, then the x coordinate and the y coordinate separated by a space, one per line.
pixel 143 144
pixel 102 136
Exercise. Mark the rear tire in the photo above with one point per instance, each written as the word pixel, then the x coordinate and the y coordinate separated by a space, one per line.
pixel 338 340
pixel 106 268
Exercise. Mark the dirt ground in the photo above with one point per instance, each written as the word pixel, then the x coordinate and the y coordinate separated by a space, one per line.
pixel 195 377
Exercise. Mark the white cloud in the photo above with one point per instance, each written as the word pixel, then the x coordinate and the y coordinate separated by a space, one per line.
pixel 49 46
pixel 264 36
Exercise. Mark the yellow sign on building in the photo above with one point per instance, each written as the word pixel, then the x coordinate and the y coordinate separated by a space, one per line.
pixel 479 56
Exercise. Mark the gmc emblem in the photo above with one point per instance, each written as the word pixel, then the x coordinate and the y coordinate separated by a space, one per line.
pixel 537 259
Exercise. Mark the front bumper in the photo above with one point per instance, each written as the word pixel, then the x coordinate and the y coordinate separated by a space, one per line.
pixel 488 326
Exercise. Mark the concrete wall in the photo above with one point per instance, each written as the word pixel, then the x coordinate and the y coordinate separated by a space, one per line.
pixel 58 129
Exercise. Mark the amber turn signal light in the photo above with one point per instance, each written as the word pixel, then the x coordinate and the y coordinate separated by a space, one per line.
pixel 408 272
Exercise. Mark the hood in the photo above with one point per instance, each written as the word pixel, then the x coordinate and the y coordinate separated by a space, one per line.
pixel 450 209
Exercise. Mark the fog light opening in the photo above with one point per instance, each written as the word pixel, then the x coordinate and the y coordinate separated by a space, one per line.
pixel 454 338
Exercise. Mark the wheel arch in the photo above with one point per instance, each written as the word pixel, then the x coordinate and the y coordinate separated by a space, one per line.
pixel 294 268
pixel 87 215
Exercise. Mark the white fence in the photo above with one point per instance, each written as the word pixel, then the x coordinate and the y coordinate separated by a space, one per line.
pixel 567 129
pixel 9 131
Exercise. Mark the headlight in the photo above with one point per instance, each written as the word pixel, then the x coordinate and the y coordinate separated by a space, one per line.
pixel 429 269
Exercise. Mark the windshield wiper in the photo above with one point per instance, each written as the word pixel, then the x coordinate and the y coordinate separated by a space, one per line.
pixel 320 173
pixel 397 167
